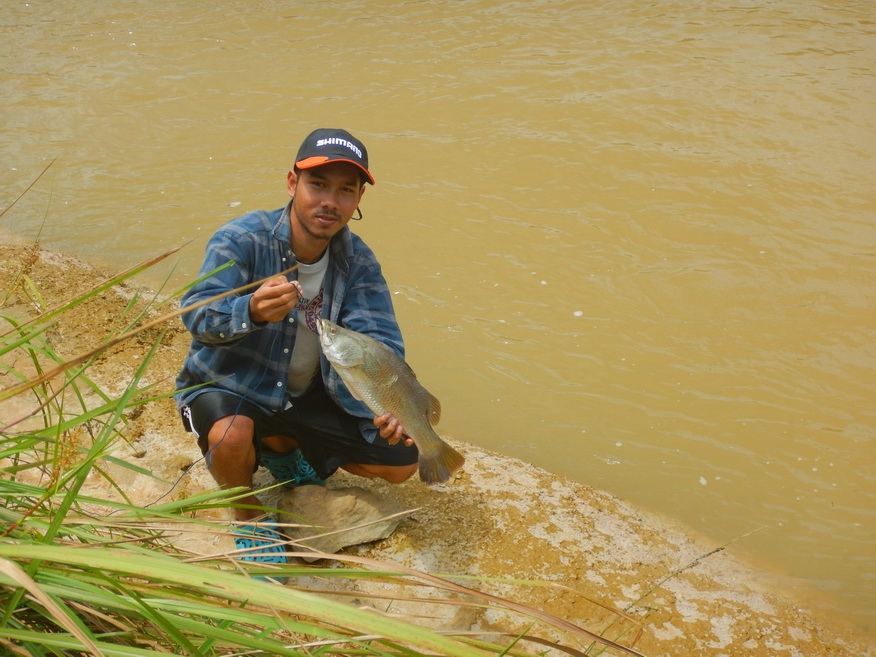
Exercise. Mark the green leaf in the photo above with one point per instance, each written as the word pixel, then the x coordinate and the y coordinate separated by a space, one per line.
pixel 236 587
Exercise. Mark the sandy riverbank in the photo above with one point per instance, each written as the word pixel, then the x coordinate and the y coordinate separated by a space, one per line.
pixel 500 519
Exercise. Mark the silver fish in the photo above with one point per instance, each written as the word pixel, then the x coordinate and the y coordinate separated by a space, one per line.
pixel 385 383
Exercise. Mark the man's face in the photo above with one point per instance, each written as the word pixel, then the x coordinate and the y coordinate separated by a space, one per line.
pixel 325 199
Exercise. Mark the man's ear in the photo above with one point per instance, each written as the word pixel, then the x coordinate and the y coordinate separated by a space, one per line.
pixel 291 182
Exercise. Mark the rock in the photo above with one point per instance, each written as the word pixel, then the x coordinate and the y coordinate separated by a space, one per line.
pixel 334 518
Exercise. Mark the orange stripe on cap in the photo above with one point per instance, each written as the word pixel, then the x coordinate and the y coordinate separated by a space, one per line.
pixel 310 162
pixel 319 160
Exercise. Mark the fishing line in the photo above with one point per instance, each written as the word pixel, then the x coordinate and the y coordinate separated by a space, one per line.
pixel 208 454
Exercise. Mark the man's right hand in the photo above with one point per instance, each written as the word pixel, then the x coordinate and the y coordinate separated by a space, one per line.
pixel 273 300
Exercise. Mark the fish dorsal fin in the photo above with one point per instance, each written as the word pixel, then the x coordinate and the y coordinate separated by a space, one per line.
pixel 434 406
pixel 396 359
pixel 434 409
pixel 409 369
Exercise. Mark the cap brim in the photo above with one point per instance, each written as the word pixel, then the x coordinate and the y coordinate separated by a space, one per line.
pixel 322 160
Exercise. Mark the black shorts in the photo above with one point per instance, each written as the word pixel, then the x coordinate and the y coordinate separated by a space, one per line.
pixel 327 436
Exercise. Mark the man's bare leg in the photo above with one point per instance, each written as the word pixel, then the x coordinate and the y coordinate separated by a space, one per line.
pixel 279 444
pixel 394 474
pixel 232 458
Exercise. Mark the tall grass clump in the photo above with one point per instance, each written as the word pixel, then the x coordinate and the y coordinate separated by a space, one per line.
pixel 90 573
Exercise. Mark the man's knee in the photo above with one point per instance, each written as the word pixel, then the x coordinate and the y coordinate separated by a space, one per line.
pixel 231 435
pixel 399 473
pixel 394 474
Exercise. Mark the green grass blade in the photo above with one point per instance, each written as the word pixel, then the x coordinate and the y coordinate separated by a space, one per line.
pixel 179 292
pixel 97 289
pixel 12 391
pixel 69 643
pixel 235 587
pixel 29 187
pixel 59 614
pixel 160 621
pixel 25 338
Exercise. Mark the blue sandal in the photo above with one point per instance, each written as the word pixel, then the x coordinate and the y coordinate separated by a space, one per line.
pixel 292 468
pixel 270 543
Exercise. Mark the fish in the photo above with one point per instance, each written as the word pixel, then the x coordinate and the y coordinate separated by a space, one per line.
pixel 385 383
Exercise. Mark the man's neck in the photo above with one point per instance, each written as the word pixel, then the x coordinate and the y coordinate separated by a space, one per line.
pixel 307 248
pixel 307 257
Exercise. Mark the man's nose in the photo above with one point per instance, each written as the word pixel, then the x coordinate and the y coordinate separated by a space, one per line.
pixel 329 198
pixel 329 204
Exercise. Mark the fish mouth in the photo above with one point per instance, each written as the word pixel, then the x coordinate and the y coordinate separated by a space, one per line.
pixel 325 335
pixel 323 330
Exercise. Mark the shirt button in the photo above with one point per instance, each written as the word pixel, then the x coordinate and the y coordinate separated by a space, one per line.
pixel 243 325
pixel 221 335
pixel 284 259
pixel 286 350
pixel 291 320
pixel 279 384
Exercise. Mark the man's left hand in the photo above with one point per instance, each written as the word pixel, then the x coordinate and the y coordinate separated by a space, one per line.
pixel 391 430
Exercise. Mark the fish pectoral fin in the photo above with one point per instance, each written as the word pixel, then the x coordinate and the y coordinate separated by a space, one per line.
pixel 434 409
pixel 354 392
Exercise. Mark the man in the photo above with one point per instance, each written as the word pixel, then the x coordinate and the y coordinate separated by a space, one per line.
pixel 255 388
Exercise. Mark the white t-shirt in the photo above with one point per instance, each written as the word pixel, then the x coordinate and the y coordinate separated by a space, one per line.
pixel 305 355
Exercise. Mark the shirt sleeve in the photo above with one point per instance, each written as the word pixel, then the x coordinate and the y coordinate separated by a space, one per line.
pixel 225 320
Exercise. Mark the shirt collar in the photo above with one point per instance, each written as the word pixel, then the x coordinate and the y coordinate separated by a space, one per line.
pixel 283 229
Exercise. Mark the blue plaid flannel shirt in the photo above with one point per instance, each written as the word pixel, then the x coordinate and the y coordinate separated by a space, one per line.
pixel 231 352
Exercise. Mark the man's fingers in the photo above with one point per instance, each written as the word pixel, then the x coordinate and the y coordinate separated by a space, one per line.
pixel 274 299
pixel 277 287
pixel 381 420
pixel 276 280
pixel 391 430
pixel 289 299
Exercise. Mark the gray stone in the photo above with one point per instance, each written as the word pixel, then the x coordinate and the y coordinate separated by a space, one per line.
pixel 334 518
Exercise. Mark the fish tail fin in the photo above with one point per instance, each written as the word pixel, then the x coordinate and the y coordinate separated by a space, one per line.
pixel 436 467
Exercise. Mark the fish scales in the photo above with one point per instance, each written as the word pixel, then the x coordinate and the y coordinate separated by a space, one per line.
pixel 376 375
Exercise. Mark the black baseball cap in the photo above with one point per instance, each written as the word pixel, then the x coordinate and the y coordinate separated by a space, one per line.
pixel 326 145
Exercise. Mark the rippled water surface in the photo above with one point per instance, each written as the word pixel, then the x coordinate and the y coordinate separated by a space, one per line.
pixel 630 243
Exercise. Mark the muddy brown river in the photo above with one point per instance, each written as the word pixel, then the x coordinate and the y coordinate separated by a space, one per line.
pixel 631 243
